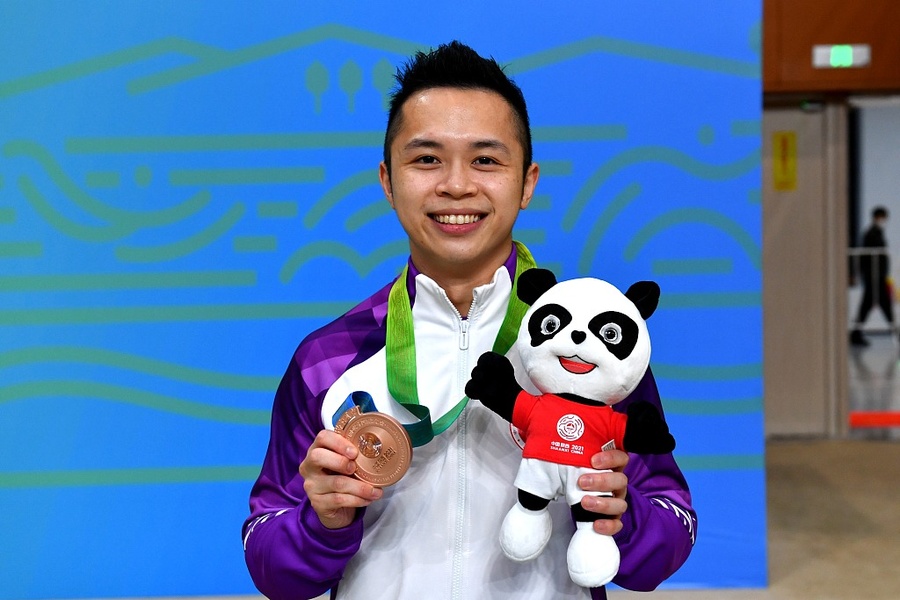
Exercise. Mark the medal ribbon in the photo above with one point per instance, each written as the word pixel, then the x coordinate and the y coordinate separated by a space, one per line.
pixel 401 351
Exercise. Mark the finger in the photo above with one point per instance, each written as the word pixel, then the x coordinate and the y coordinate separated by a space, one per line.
pixel 615 460
pixel 336 443
pixel 324 461
pixel 611 482
pixel 609 506
pixel 329 492
pixel 608 526
pixel 329 452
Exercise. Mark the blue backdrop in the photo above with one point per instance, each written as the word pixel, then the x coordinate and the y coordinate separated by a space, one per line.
pixel 188 188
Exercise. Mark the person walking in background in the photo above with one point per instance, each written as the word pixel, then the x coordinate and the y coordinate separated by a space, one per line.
pixel 874 269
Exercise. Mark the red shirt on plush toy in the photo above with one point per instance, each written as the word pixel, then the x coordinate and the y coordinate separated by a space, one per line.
pixel 584 345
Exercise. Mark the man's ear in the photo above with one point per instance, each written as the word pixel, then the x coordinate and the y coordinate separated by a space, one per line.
pixel 384 176
pixel 531 179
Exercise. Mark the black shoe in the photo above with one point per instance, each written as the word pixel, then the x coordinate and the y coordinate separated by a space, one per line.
pixel 857 339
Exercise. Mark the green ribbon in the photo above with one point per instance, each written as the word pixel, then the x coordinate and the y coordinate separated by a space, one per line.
pixel 401 351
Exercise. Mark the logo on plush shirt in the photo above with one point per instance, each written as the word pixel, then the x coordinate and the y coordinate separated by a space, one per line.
pixel 570 427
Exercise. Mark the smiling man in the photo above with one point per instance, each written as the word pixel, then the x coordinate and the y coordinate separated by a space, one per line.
pixel 457 170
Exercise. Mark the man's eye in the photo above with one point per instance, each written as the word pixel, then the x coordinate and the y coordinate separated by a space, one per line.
pixel 428 160
pixel 485 160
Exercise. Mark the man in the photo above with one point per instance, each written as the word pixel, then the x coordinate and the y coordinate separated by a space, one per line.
pixel 457 170
pixel 874 272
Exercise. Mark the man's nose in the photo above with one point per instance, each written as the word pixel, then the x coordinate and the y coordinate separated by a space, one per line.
pixel 457 181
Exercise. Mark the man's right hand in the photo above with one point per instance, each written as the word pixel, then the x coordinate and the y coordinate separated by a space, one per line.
pixel 327 479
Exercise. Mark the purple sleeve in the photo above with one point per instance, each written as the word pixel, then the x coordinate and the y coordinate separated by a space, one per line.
pixel 660 524
pixel 289 553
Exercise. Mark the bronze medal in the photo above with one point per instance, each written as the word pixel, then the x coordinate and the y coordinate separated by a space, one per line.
pixel 385 450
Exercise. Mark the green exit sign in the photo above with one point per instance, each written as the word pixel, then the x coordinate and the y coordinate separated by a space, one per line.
pixel 841 56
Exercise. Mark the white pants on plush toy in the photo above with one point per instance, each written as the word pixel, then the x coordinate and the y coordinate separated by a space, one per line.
pixel 593 559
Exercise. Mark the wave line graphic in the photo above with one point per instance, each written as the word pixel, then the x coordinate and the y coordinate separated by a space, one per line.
pixel 129 476
pixel 612 210
pixel 117 394
pixel 661 154
pixel 708 372
pixel 660 54
pixel 712 407
pixel 204 313
pixel 366 214
pixel 330 198
pixel 107 62
pixel 83 355
pixel 363 265
pixel 225 59
pixel 187 246
pixel 120 222
pixel 95 282
pixel 692 216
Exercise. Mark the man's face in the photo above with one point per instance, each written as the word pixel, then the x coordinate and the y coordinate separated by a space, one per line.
pixel 456 181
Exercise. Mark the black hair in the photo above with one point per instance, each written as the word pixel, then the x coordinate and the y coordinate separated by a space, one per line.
pixel 879 212
pixel 455 65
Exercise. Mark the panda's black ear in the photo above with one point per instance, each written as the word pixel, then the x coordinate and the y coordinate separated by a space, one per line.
pixel 645 295
pixel 533 283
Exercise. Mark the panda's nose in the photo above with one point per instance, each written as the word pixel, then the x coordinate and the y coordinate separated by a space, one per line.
pixel 578 336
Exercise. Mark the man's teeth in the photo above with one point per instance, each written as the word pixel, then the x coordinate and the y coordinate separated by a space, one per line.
pixel 456 219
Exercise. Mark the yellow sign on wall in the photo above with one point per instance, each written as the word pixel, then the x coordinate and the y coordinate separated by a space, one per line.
pixel 784 160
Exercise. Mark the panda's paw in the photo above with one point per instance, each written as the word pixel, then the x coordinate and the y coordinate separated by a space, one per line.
pixel 646 432
pixel 525 533
pixel 493 382
pixel 593 559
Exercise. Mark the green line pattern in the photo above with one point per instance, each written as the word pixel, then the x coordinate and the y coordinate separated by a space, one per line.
pixel 613 209
pixel 361 264
pixel 660 54
pixel 130 476
pixel 255 243
pixel 707 372
pixel 251 176
pixel 363 179
pixel 224 142
pixel 368 213
pixel 711 300
pixel 117 394
pixel 186 246
pixel 693 266
pixel 693 216
pixel 277 210
pixel 722 462
pixel 662 154
pixel 102 357
pixel 82 282
pixel 120 219
pixel 709 408
pixel 198 313
pixel 21 250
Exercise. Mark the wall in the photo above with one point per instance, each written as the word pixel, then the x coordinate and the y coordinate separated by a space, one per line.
pixel 804 254
pixel 794 27
pixel 186 189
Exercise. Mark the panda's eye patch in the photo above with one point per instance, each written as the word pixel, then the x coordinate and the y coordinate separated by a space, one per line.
pixel 611 333
pixel 617 331
pixel 546 322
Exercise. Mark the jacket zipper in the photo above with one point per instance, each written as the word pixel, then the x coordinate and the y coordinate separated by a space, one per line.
pixel 457 586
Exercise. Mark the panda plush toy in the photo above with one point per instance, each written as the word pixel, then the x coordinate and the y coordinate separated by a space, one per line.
pixel 585 346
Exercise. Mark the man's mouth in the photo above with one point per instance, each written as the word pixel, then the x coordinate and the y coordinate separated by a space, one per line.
pixel 456 219
pixel 574 364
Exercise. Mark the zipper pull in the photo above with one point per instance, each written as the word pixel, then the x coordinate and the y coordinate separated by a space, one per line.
pixel 464 334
